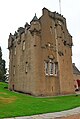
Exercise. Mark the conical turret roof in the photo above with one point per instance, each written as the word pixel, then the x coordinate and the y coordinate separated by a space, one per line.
pixel 34 18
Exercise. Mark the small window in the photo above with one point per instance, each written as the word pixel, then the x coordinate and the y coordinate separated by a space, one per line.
pixel 60 23
pixel 65 43
pixel 51 29
pixel 23 47
pixel 14 70
pixel 26 68
pixel 14 50
pixel 49 44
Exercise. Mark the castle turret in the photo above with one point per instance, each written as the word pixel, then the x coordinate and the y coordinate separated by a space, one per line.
pixel 34 18
pixel 35 25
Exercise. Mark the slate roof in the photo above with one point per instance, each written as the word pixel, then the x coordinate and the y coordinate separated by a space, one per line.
pixel 34 18
pixel 75 69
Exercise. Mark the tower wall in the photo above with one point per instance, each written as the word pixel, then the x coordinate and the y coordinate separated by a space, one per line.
pixel 40 57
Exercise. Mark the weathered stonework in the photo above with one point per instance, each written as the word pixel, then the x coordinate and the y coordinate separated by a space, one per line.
pixel 38 50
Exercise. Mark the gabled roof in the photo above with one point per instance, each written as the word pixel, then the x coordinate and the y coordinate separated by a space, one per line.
pixel 75 69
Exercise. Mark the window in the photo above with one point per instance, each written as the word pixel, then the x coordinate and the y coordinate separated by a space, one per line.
pixel 23 47
pixel 60 23
pixel 55 69
pixel 51 68
pixel 49 44
pixel 15 50
pixel 51 29
pixel 14 70
pixel 26 68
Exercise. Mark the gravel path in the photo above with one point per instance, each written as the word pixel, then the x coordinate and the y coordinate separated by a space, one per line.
pixel 69 114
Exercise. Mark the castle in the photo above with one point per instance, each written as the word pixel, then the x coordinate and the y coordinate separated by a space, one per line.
pixel 40 57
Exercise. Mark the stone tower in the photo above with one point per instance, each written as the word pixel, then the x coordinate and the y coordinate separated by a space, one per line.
pixel 40 57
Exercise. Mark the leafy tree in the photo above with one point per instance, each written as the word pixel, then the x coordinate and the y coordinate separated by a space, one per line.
pixel 0 54
pixel 2 67
pixel 1 75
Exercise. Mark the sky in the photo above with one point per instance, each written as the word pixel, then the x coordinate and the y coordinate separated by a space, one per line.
pixel 15 13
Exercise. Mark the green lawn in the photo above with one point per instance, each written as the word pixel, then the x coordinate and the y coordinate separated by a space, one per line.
pixel 15 104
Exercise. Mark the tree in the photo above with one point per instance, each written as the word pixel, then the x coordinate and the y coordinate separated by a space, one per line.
pixel 2 67
pixel 0 54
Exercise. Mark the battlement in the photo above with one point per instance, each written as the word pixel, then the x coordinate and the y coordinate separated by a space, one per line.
pixel 54 15
pixel 35 25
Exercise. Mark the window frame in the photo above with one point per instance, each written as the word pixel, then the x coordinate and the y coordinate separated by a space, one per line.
pixel 51 68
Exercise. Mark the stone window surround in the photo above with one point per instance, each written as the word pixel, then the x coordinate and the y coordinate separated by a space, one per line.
pixel 51 67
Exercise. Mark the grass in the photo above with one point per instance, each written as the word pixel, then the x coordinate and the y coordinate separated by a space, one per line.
pixel 14 104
